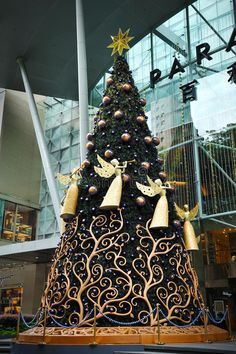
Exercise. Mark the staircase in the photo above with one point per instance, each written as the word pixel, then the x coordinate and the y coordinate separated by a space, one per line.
pixel 5 346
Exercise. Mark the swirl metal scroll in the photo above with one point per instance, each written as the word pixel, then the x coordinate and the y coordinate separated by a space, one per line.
pixel 88 269
pixel 167 277
pixel 124 276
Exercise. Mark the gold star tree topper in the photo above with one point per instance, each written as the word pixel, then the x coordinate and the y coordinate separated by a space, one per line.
pixel 120 42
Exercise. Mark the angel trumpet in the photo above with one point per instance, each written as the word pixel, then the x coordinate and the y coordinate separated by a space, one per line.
pixel 177 183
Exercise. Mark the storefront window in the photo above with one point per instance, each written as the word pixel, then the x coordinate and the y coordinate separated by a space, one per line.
pixel 18 222
pixel 8 226
pixel 25 223
pixel 10 300
pixel 220 246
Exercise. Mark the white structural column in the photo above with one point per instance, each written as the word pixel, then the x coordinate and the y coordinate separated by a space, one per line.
pixel 2 102
pixel 41 141
pixel 82 79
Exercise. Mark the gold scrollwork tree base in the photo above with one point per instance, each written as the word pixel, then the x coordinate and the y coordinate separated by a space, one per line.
pixel 122 335
pixel 90 269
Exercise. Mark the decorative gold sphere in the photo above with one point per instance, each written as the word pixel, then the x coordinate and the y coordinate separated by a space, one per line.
pixel 89 136
pixel 85 163
pixel 93 190
pixel 118 114
pixel 106 100
pixel 143 101
pixel 125 137
pixel 145 165
pixel 101 123
pixel 160 160
pixel 109 81
pixel 148 140
pixel 90 145
pixel 126 87
pixel 156 140
pixel 108 153
pixel 140 119
pixel 176 223
pixel 126 178
pixel 162 175
pixel 140 201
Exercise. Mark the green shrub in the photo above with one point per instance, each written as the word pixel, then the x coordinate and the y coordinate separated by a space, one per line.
pixel 8 324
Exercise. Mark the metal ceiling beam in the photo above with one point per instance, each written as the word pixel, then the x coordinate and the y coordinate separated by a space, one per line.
pixel 211 27
pixel 218 215
pixel 223 222
pixel 171 39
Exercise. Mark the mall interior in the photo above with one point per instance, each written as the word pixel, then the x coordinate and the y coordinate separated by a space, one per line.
pixel 197 129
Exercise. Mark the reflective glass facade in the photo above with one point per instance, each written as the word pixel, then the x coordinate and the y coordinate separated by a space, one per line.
pixel 62 136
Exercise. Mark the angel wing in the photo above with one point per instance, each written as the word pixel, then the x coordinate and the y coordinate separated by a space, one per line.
pixel 76 174
pixel 64 179
pixel 150 190
pixel 154 185
pixel 107 169
pixel 193 212
pixel 180 212
pixel 147 190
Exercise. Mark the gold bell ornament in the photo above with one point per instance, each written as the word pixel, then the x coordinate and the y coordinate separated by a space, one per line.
pixel 187 215
pixel 63 226
pixel 69 204
pixel 113 196
pixel 160 217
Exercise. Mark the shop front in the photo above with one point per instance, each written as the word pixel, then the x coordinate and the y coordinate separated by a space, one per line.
pixel 17 222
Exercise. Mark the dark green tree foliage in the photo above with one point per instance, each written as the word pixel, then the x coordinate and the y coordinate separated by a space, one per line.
pixel 110 257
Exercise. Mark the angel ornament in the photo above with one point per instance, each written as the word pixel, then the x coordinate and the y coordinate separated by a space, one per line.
pixel 113 195
pixel 160 217
pixel 69 203
pixel 187 215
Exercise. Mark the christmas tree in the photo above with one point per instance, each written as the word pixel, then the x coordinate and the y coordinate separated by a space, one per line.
pixel 123 250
